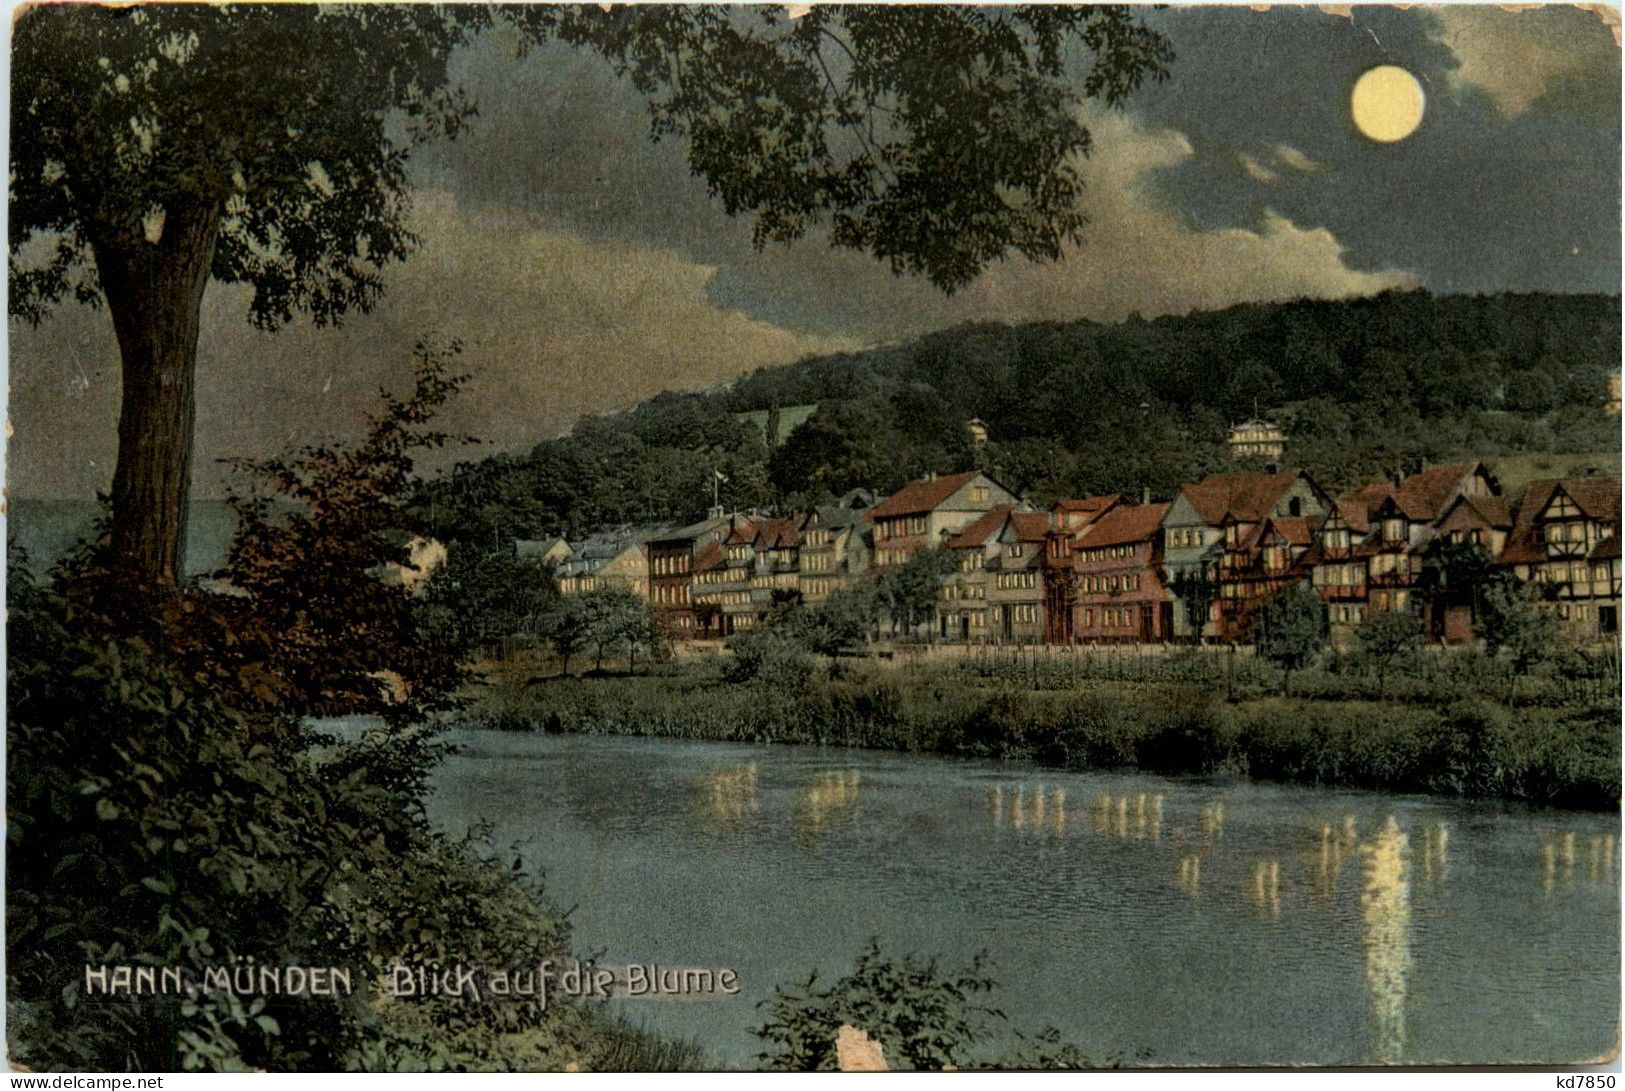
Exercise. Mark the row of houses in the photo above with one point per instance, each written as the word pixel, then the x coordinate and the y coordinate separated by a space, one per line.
pixel 1109 569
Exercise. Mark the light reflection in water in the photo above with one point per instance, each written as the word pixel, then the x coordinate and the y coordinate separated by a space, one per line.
pixel 1436 853
pixel 727 795
pixel 1266 889
pixel 1123 816
pixel 1385 911
pixel 828 795
pixel 1190 875
pixel 1039 809
pixel 1600 867
pixel 1560 854
pixel 1387 945
pixel 1326 861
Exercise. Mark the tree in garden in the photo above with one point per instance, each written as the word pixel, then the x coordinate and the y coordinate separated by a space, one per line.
pixel 1387 637
pixel 569 629
pixel 488 595
pixel 1195 590
pixel 837 624
pixel 1455 574
pixel 643 630
pixel 615 617
pixel 908 593
pixel 1291 630
pixel 159 147
pixel 1511 624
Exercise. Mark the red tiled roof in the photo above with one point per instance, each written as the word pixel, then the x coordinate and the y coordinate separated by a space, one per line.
pixel 1598 497
pixel 920 496
pixel 1492 511
pixel 1087 504
pixel 1124 524
pixel 1294 529
pixel 1523 544
pixel 1031 526
pixel 982 530
pixel 1607 549
pixel 777 534
pixel 1248 497
pixel 708 557
pixel 1360 506
pixel 1422 495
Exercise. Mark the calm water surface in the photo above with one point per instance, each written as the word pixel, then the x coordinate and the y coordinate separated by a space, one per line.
pixel 1204 922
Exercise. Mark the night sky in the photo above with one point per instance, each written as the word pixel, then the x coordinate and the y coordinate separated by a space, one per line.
pixel 586 269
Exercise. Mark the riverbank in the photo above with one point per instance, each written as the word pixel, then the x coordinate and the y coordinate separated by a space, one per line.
pixel 1564 755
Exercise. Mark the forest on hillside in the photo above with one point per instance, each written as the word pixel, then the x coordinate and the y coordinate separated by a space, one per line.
pixel 1365 388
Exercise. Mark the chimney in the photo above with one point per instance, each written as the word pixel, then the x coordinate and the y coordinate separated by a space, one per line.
pixel 930 475
pixel 1145 494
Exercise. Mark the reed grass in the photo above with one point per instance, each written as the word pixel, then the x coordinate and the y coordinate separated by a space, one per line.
pixel 1564 755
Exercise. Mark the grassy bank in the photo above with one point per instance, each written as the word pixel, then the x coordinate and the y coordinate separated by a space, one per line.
pixel 1565 755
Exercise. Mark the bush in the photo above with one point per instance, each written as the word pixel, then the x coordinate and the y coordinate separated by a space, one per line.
pixel 152 825
pixel 923 1016
pixel 168 807
pixel 1466 746
pixel 770 659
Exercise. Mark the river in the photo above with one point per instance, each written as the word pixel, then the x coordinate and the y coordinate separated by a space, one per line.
pixel 1190 922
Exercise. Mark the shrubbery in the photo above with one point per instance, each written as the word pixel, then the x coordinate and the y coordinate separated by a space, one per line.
pixel 926 1018
pixel 1566 755
pixel 168 806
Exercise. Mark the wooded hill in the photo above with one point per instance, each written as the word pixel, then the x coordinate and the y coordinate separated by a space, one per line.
pixel 1364 387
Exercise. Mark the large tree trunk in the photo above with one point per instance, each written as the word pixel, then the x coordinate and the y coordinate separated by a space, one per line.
pixel 154 293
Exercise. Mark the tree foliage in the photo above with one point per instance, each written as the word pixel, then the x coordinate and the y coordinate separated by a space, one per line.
pixel 841 116
pixel 1387 637
pixel 926 1017
pixel 159 147
pixel 1292 628
pixel 1195 589
pixel 326 526
pixel 893 414
pixel 907 594
pixel 1511 623
pixel 169 806
pixel 481 597
pixel 605 619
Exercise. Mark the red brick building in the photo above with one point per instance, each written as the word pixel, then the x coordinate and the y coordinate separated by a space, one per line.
pixel 671 571
pixel 1068 519
pixel 1117 576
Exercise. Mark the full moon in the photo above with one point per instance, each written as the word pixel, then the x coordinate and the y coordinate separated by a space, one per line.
pixel 1387 103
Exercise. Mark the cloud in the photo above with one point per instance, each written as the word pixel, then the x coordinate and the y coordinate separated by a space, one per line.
pixel 1256 170
pixel 554 327
pixel 1557 56
pixel 1140 255
pixel 1291 157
